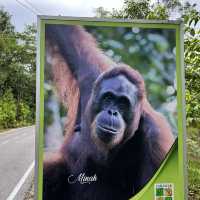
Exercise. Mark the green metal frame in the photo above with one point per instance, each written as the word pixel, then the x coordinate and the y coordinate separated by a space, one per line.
pixel 176 158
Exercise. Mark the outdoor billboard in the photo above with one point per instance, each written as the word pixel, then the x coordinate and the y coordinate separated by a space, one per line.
pixel 110 109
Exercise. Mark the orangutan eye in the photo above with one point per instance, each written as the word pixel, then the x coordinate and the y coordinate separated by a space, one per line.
pixel 123 103
pixel 107 97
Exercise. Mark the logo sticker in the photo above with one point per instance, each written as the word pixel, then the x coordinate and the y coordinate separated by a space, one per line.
pixel 164 191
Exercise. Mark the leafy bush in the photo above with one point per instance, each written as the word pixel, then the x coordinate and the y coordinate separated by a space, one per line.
pixel 24 114
pixel 7 110
pixel 193 144
pixel 192 62
pixel 13 114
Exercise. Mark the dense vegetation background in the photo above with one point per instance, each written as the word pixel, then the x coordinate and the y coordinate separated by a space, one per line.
pixel 17 74
pixel 17 71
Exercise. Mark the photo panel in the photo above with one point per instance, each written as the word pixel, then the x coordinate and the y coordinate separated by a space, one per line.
pixel 111 110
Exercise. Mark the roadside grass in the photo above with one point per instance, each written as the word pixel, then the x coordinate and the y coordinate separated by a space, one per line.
pixel 30 193
pixel 193 153
pixel 4 130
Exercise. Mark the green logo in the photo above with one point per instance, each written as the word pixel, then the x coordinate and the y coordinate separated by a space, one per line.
pixel 164 191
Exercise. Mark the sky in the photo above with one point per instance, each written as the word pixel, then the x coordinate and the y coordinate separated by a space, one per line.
pixel 22 15
pixel 25 11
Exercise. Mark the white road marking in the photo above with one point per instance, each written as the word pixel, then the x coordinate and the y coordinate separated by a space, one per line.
pixel 21 182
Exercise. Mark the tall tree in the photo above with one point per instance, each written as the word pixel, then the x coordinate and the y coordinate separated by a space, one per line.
pixel 17 71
